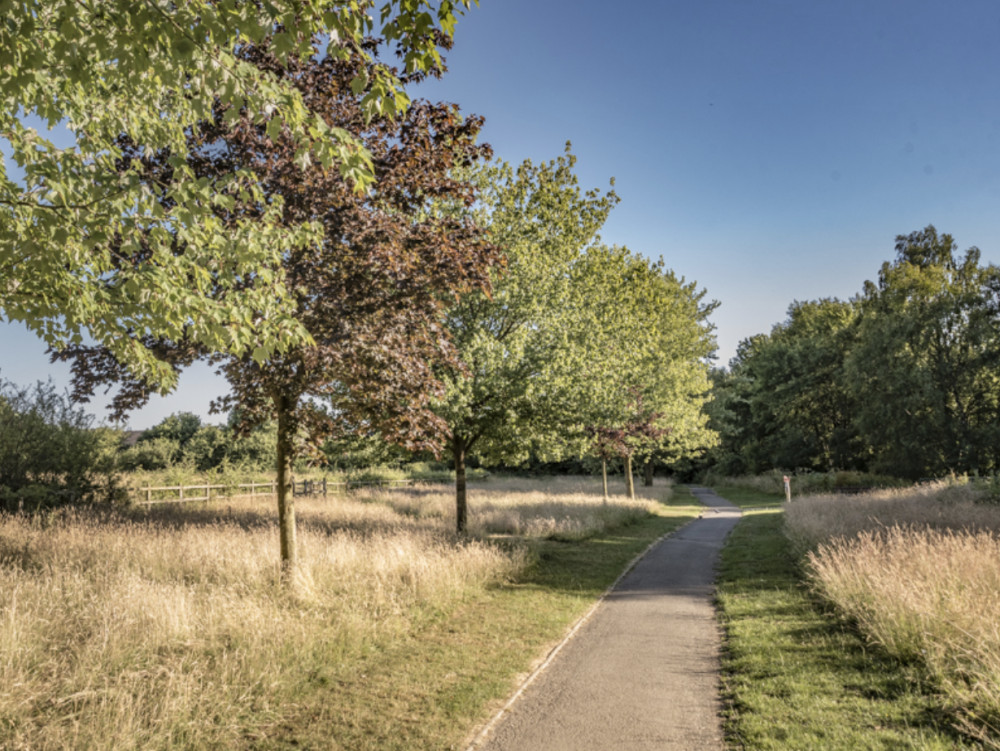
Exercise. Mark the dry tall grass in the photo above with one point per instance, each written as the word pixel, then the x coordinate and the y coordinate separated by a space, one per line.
pixel 557 507
pixel 170 628
pixel 919 572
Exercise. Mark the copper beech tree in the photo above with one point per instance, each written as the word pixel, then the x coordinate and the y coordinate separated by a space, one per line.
pixel 370 296
pixel 641 427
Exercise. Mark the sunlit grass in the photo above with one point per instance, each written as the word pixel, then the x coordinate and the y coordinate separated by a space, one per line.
pixel 918 572
pixel 170 627
pixel 795 678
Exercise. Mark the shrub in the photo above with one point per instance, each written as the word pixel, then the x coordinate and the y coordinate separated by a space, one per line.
pixel 49 452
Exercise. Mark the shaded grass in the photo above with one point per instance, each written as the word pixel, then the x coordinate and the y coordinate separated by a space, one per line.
pixel 796 678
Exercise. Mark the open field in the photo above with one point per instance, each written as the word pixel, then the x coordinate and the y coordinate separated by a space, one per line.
pixel 918 573
pixel 169 628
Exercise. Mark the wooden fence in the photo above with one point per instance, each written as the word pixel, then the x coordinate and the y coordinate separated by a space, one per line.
pixel 207 492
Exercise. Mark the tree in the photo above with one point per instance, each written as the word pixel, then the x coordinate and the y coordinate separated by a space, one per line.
pixel 787 399
pixel 153 72
pixel 50 453
pixel 370 295
pixel 900 380
pixel 925 366
pixel 511 398
pixel 643 334
pixel 640 430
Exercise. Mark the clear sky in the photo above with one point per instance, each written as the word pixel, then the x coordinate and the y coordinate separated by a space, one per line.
pixel 771 150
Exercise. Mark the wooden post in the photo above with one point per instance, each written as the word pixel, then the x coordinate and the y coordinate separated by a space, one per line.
pixel 324 486
pixel 629 479
pixel 788 489
pixel 149 494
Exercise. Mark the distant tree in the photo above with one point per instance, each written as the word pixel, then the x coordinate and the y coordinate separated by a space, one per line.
pixel 641 429
pixel 925 367
pixel 642 330
pixel 180 427
pixel 50 453
pixel 902 380
pixel 370 295
pixel 607 444
pixel 152 454
pixel 513 398
pixel 785 401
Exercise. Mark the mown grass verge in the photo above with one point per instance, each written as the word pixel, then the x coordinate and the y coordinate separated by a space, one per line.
pixel 797 678
pixel 746 497
pixel 433 689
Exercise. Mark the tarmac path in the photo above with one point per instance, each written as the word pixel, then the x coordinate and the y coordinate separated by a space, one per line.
pixel 643 671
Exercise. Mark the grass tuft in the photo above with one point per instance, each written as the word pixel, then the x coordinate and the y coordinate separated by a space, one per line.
pixel 918 572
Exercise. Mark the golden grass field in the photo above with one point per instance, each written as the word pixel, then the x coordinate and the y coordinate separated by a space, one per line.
pixel 918 570
pixel 170 628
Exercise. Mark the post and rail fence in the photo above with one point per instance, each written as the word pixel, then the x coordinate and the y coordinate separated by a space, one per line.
pixel 207 492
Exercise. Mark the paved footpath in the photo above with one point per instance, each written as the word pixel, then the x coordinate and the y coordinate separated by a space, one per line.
pixel 643 672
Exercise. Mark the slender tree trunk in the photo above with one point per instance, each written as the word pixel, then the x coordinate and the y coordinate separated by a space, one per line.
pixel 647 472
pixel 629 480
pixel 286 499
pixel 604 477
pixel 458 448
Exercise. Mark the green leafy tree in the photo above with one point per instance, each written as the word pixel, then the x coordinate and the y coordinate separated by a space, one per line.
pixel 118 72
pixel 152 454
pixel 785 402
pixel 512 398
pixel 370 295
pixel 180 427
pixel 641 330
pixel 50 453
pixel 925 367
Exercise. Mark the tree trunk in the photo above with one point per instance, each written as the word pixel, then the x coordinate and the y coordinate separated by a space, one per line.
pixel 604 477
pixel 458 447
pixel 286 499
pixel 629 480
pixel 647 471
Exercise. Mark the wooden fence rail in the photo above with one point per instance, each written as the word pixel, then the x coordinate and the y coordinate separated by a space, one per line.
pixel 204 492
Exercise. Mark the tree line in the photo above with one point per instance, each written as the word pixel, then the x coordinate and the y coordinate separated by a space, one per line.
pixel 901 380
pixel 356 264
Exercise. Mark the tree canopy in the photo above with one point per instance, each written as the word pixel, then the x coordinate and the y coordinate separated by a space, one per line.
pixel 901 380
pixel 571 332
pixel 370 293
pixel 119 72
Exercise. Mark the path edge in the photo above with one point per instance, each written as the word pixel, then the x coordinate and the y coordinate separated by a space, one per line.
pixel 581 621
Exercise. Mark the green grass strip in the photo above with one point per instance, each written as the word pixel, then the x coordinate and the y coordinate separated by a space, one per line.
pixel 796 677
pixel 431 689
pixel 744 497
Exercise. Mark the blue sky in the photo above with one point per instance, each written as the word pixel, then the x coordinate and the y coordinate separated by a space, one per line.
pixel 770 150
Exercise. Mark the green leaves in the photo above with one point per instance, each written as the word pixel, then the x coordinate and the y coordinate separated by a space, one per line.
pixel 571 327
pixel 116 71
pixel 900 380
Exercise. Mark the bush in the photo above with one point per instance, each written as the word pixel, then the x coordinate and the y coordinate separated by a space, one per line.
pixel 49 452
